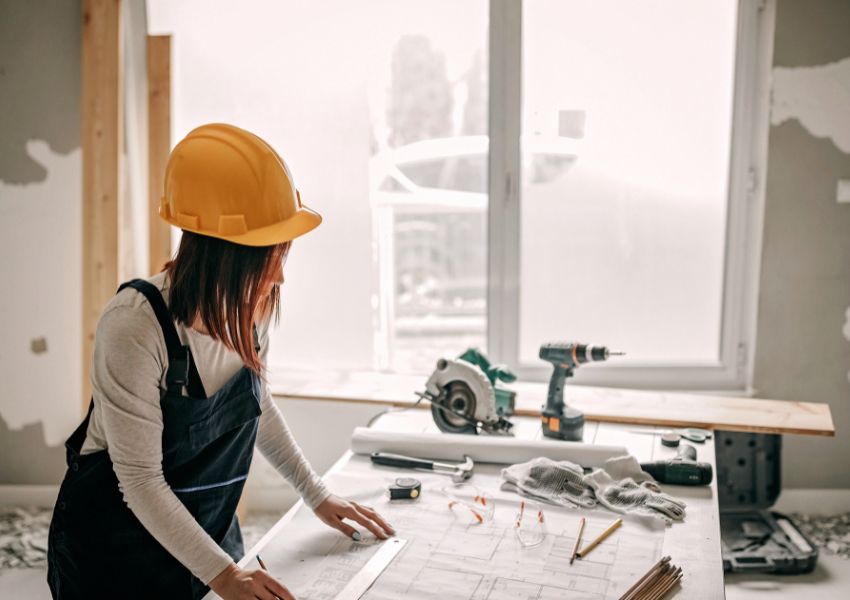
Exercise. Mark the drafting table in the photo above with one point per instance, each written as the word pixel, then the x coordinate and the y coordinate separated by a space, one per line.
pixel 693 544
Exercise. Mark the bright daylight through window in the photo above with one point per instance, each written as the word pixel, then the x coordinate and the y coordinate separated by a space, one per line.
pixel 623 224
pixel 382 114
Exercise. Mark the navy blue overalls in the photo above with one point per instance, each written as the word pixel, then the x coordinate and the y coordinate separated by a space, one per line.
pixel 97 548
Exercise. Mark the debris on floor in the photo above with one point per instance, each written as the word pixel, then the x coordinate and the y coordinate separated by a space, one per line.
pixel 23 537
pixel 829 533
pixel 255 526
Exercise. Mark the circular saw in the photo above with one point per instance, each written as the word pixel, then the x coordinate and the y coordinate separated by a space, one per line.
pixel 463 400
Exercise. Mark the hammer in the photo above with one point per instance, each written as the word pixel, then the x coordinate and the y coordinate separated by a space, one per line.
pixel 458 472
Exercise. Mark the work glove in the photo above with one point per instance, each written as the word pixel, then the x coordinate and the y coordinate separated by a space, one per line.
pixel 558 482
pixel 565 484
pixel 627 496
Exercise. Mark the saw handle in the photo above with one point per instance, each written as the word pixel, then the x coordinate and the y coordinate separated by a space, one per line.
pixel 397 460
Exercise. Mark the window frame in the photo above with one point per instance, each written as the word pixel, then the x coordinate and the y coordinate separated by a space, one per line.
pixel 745 210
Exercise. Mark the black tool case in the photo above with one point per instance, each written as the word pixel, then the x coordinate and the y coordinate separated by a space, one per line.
pixel 754 538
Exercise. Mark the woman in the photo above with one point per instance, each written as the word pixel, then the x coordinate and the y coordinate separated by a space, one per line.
pixel 147 508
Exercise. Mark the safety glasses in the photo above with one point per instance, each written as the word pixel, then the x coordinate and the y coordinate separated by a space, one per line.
pixel 469 503
pixel 474 506
pixel 530 524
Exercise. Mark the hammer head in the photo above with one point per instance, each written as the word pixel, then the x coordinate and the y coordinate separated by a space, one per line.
pixel 464 470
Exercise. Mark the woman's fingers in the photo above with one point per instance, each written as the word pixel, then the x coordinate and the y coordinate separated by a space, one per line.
pixel 356 515
pixel 344 527
pixel 373 514
pixel 271 587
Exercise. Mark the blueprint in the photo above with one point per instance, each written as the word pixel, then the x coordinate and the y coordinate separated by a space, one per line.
pixel 446 557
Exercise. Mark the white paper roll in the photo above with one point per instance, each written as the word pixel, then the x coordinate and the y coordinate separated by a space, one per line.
pixel 480 448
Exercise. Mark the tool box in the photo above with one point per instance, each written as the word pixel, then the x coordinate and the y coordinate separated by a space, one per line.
pixel 755 539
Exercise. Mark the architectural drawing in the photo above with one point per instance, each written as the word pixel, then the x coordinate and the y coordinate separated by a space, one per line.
pixel 446 557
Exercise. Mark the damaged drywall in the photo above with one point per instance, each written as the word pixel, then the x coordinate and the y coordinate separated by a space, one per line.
pixel 40 79
pixel 40 237
pixel 802 350
pixel 846 331
pixel 40 364
pixel 27 458
pixel 818 97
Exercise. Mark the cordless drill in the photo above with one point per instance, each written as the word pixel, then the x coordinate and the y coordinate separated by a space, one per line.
pixel 560 421
pixel 682 470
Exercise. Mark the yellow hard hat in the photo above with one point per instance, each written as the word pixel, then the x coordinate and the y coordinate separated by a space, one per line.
pixel 225 182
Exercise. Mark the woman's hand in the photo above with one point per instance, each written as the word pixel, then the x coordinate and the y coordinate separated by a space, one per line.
pixel 333 510
pixel 238 584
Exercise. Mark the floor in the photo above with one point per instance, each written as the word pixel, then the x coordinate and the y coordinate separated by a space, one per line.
pixel 831 575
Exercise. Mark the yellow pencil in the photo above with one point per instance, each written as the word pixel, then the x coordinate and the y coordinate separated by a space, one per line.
pixel 584 551
pixel 578 540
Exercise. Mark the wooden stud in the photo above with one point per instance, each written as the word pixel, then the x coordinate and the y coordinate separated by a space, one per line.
pixel 159 145
pixel 101 119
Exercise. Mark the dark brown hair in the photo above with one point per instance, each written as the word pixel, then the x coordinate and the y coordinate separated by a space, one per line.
pixel 229 286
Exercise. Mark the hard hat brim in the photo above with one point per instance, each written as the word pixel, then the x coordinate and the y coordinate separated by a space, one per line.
pixel 303 221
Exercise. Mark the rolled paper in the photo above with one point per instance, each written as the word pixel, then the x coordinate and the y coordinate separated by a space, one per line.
pixel 480 448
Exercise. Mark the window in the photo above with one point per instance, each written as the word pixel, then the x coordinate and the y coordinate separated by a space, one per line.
pixel 493 173
pixel 637 241
pixel 380 109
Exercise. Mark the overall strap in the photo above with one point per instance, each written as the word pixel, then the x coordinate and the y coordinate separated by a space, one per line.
pixel 181 368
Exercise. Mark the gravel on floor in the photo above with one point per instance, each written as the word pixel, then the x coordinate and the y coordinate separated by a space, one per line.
pixel 255 527
pixel 23 534
pixel 829 533
pixel 23 537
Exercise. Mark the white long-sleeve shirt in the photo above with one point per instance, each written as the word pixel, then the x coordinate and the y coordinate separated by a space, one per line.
pixel 128 377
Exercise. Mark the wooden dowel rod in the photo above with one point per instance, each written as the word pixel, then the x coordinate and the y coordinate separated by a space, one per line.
pixel 669 585
pixel 649 590
pixel 668 582
pixel 648 575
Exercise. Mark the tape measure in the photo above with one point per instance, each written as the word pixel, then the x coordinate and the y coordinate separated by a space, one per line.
pixel 405 488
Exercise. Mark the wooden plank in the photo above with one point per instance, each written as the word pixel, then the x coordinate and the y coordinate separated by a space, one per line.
pixel 159 145
pixel 612 405
pixel 101 92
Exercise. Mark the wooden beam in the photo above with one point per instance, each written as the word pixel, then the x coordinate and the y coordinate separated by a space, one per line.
pixel 159 145
pixel 608 405
pixel 101 91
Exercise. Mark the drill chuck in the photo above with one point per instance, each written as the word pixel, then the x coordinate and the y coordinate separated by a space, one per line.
pixel 572 355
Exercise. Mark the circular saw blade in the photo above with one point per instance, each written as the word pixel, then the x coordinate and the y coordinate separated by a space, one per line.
pixel 454 410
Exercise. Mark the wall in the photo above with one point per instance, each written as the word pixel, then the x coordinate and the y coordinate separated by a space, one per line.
pixel 40 239
pixel 41 224
pixel 803 339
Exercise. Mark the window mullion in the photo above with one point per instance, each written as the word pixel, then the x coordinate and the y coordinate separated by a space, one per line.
pixel 505 82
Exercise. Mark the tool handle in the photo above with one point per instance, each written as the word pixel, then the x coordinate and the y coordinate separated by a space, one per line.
pixel 679 472
pixel 687 452
pixel 555 397
pixel 397 460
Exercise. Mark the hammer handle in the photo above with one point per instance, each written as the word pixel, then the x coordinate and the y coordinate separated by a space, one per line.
pixel 397 460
